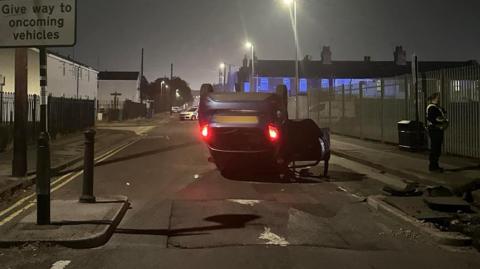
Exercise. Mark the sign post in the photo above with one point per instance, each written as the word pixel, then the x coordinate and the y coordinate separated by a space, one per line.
pixel 42 24
pixel 2 83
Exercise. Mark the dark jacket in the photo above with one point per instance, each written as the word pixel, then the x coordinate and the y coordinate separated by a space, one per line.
pixel 436 118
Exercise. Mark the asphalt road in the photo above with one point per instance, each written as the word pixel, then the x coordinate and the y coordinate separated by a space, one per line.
pixel 184 214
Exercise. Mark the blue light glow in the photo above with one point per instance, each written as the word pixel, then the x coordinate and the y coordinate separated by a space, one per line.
pixel 303 85
pixel 263 87
pixel 246 86
pixel 286 82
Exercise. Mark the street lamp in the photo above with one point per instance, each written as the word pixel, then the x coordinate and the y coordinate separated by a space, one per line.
pixel 293 3
pixel 250 46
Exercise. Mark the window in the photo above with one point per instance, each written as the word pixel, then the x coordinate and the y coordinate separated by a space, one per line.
pixel 246 87
pixel 263 85
pixel 286 82
pixel 303 85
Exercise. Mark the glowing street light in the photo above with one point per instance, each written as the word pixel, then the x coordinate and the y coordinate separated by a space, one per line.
pixel 249 45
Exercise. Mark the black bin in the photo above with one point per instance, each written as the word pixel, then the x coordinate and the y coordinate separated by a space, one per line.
pixel 411 135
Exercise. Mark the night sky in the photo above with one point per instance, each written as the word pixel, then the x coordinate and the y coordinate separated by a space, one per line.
pixel 196 35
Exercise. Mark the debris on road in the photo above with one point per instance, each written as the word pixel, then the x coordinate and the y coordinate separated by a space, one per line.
pixel 273 239
pixel 245 202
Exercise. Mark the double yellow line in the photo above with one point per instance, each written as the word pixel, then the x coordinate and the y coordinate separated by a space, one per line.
pixel 27 202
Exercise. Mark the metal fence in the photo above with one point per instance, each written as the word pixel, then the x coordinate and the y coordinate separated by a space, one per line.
pixel 68 115
pixel 372 108
pixel 65 115
pixel 121 110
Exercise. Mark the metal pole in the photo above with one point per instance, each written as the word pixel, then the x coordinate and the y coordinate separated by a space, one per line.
pixel 87 193
pixel 253 88
pixel 43 90
pixel 19 163
pixel 417 117
pixel 43 180
pixel 141 78
pixel 297 80
pixel 2 83
pixel 224 77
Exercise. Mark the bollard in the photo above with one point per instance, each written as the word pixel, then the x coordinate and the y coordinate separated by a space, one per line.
pixel 87 193
pixel 43 180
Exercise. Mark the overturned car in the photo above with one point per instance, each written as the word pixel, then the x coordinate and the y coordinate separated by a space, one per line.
pixel 252 130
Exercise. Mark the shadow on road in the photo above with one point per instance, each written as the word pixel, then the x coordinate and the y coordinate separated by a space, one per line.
pixel 249 174
pixel 132 156
pixel 234 221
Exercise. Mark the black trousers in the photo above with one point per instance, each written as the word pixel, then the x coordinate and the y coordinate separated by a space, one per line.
pixel 436 140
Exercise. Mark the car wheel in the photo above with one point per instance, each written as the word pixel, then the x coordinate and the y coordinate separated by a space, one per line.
pixel 194 118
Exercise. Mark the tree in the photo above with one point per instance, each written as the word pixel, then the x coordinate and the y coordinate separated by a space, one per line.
pixel 159 92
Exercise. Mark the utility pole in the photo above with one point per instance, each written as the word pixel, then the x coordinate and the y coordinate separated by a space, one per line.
pixel 141 79
pixel 19 165
pixel 171 72
pixel 115 99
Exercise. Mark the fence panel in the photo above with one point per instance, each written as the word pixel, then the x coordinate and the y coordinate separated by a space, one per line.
pixel 371 109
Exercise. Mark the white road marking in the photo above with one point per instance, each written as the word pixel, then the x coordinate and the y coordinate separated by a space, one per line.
pixel 244 202
pixel 60 264
pixel 342 189
pixel 273 239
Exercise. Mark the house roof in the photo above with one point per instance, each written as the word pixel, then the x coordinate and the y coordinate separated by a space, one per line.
pixel 118 75
pixel 56 54
pixel 347 69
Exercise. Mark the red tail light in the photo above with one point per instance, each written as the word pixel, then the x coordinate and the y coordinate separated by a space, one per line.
pixel 205 132
pixel 273 133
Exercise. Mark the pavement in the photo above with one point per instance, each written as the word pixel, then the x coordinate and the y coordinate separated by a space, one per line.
pixel 460 173
pixel 184 214
pixel 73 224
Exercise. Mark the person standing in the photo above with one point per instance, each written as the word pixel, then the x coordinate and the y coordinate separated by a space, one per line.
pixel 437 123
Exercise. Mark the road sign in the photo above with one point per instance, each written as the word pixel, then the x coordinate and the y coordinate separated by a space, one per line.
pixel 37 23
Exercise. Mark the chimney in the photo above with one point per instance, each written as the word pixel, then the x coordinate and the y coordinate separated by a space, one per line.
pixel 245 61
pixel 367 59
pixel 400 56
pixel 326 55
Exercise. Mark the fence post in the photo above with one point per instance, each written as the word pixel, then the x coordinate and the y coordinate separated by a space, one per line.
pixel 34 118
pixel 360 94
pixel 330 96
pixel 1 103
pixel 407 96
pixel 382 100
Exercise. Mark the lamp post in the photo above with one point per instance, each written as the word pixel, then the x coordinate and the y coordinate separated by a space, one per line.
pixel 293 3
pixel 250 46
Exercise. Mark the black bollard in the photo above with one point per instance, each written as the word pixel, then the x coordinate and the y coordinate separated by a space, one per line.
pixel 87 194
pixel 43 180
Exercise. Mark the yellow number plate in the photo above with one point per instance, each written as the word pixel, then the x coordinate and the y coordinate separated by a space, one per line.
pixel 236 119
